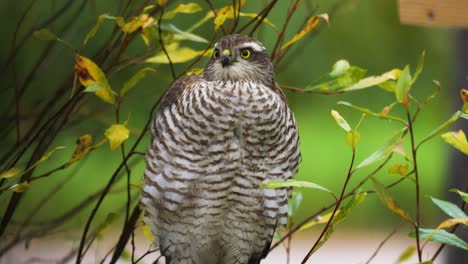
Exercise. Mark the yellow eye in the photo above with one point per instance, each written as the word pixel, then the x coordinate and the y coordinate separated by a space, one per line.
pixel 215 54
pixel 245 53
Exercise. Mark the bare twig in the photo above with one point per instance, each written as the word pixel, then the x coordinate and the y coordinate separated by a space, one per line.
pixel 161 42
pixel 338 203
pixel 384 241
pixel 416 174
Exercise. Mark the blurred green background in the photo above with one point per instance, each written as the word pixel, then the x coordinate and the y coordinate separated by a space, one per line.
pixel 365 32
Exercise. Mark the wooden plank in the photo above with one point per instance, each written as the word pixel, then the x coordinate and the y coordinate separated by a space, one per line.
pixel 434 12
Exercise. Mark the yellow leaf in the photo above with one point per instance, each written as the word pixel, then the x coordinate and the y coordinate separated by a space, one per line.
pixel 10 173
pixel 195 71
pixel 353 137
pixel 116 134
pixel 140 22
pixel 162 2
pixel 408 253
pixel 83 145
pixel 457 140
pixel 20 187
pixel 90 75
pixel 322 219
pixel 311 24
pixel 453 221
pixel 176 53
pixel 400 169
pixel 147 233
pixel 188 8
pixel 388 200
pixel 222 15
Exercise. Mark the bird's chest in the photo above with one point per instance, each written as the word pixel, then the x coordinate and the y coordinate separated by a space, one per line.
pixel 234 123
pixel 243 112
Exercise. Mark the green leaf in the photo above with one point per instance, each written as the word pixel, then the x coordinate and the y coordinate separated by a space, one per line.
pixel 457 140
pixel 389 86
pixel 182 35
pixel 441 128
pixel 129 84
pixel 44 34
pixel 340 121
pixel 463 195
pixel 441 236
pixel 403 87
pixel 95 28
pixel 419 68
pixel 342 75
pixel 276 236
pixel 369 112
pixel 20 187
pixel 374 80
pixel 294 202
pixel 10 173
pixel 48 155
pixel 406 254
pixel 386 197
pixel 339 68
pixel 382 152
pixel 449 208
pixel 275 184
pixel 357 199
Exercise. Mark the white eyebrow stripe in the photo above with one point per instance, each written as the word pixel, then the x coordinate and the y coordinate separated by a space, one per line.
pixel 253 45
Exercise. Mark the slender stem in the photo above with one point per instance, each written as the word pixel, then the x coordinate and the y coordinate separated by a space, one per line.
pixel 384 241
pixel 290 12
pixel 348 177
pixel 416 175
pixel 352 192
pixel 161 42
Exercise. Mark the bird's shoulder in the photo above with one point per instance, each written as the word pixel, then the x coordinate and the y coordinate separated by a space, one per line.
pixel 177 87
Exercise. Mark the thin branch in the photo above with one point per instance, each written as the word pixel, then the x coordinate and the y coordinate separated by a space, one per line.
pixel 395 229
pixel 260 14
pixel 348 177
pixel 111 182
pixel 416 174
pixel 289 15
pixel 161 42
pixel 126 232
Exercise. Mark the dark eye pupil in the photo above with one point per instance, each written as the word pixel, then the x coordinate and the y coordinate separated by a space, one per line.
pixel 245 53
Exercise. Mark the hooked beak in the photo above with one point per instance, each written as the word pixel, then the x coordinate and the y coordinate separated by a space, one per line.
pixel 226 58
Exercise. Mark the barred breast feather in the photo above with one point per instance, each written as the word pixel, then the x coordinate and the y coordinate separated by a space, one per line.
pixel 213 143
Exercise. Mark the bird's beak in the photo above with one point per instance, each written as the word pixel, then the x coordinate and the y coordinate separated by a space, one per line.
pixel 226 58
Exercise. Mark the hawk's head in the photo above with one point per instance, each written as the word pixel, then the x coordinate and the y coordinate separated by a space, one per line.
pixel 240 58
